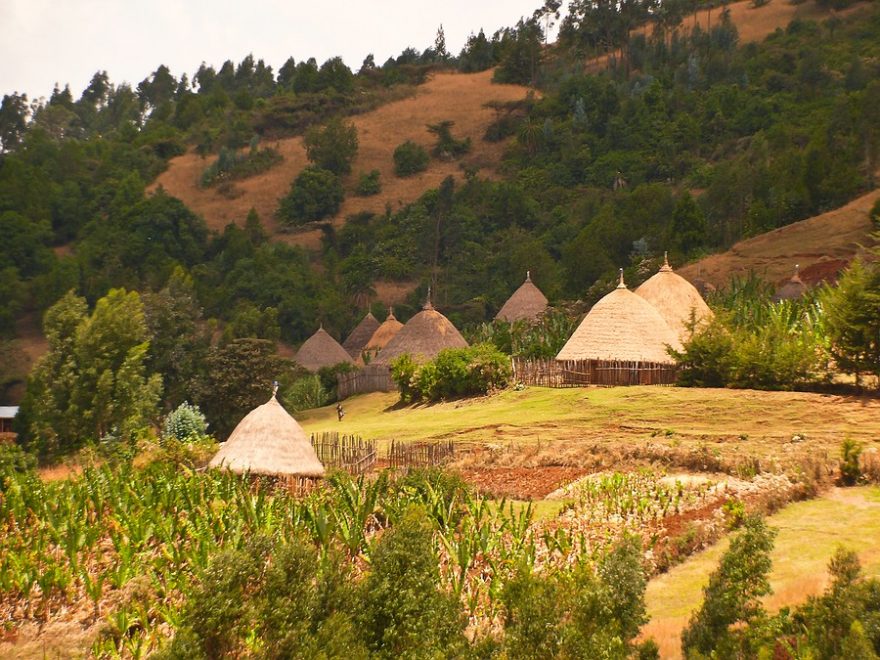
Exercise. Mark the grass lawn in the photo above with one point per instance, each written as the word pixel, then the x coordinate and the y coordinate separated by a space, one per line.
pixel 809 534
pixel 732 422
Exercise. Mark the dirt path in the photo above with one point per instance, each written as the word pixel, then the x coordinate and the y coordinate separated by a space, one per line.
pixel 809 534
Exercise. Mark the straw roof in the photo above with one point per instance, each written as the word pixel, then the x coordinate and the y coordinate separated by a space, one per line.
pixel 792 289
pixel 424 335
pixel 384 334
pixel 357 340
pixel 621 326
pixel 321 350
pixel 527 303
pixel 269 441
pixel 675 298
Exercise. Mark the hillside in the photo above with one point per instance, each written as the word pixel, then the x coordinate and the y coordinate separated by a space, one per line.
pixel 821 245
pixel 457 97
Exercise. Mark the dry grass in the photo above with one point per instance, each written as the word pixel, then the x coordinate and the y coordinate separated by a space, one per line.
pixel 809 533
pixel 454 96
pixel 835 236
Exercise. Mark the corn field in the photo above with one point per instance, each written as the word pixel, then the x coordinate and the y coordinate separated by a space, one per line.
pixel 89 542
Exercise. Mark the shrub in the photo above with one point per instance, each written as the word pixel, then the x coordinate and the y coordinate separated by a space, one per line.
pixel 14 459
pixel 448 147
pixel 368 184
pixel 875 214
pixel 231 165
pixel 455 372
pixel 332 147
pixel 185 423
pixel 306 393
pixel 315 194
pixel 409 159
pixel 850 453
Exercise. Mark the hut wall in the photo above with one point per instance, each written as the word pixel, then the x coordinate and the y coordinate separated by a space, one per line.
pixel 372 378
pixel 578 373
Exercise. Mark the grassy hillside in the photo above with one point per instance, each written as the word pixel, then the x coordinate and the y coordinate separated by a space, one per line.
pixel 820 245
pixel 809 534
pixel 460 98
pixel 573 426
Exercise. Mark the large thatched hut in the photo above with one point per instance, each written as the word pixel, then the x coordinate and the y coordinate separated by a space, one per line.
pixel 423 336
pixel 269 441
pixel 357 340
pixel 321 350
pixel 675 298
pixel 526 304
pixel 622 340
pixel 793 289
pixel 384 334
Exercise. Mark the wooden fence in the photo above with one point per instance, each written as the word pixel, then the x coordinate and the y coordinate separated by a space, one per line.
pixel 577 373
pixel 344 452
pixel 372 378
pixel 419 454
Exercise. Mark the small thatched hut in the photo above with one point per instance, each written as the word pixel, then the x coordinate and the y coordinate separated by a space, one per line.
pixel 793 289
pixel 526 304
pixel 621 327
pixel 384 334
pixel 269 441
pixel 424 335
pixel 675 298
pixel 321 350
pixel 357 340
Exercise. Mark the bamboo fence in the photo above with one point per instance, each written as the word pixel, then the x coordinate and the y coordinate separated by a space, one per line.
pixel 577 373
pixel 419 454
pixel 372 378
pixel 344 452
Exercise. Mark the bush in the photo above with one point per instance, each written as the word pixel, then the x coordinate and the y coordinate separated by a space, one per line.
pixel 409 159
pixel 455 372
pixel 875 214
pixel 14 459
pixel 185 423
pixel 368 184
pixel 306 393
pixel 315 194
pixel 850 453
pixel 332 147
pixel 448 147
pixel 231 165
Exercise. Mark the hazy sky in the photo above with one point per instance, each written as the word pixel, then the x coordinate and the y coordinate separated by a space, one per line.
pixel 66 41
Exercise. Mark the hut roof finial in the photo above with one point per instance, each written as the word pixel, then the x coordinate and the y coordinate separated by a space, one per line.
pixel 390 312
pixel 528 276
pixel 274 388
pixel 621 285
pixel 428 305
pixel 665 268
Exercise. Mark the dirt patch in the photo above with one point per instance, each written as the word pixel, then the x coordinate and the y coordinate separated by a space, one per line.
pixel 521 483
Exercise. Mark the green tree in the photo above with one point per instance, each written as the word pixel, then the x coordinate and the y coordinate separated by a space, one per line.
pixel 688 229
pixel 93 380
pixel 333 146
pixel 733 595
pixel 314 194
pixel 410 158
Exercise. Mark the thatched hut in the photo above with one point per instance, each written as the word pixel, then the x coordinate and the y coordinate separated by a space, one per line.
pixel 793 289
pixel 268 441
pixel 321 350
pixel 423 336
pixel 384 334
pixel 357 340
pixel 624 337
pixel 675 298
pixel 526 304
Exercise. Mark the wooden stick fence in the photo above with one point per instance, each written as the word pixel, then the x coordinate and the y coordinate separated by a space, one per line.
pixel 419 454
pixel 344 452
pixel 372 378
pixel 577 373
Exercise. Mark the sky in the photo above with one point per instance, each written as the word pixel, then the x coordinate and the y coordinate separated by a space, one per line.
pixel 66 41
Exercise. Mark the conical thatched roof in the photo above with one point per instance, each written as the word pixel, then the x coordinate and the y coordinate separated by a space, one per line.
pixel 675 298
pixel 527 303
pixel 321 350
pixel 384 334
pixel 792 289
pixel 357 340
pixel 269 441
pixel 424 335
pixel 621 326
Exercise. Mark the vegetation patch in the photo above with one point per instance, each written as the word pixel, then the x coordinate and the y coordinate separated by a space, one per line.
pixel 232 165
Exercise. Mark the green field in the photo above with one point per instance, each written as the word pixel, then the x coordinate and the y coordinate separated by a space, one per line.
pixel 809 533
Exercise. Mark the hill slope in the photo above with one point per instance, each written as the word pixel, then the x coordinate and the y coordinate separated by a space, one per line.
pixel 821 245
pixel 446 96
